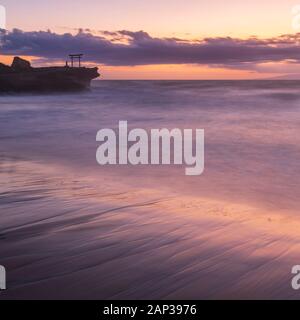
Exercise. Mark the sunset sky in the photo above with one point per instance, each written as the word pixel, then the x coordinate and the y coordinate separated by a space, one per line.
pixel 169 39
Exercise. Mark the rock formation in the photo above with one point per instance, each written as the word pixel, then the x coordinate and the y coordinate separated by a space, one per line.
pixel 21 76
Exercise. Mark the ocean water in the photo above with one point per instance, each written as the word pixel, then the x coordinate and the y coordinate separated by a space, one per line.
pixel 70 228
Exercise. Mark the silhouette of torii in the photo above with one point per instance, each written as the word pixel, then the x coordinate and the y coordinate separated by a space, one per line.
pixel 76 56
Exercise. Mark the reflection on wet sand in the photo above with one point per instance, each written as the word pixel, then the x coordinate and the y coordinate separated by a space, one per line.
pixel 80 239
pixel 72 229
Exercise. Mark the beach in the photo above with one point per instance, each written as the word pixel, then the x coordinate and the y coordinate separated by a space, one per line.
pixel 71 229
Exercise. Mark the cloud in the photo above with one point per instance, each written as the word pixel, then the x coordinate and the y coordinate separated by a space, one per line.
pixel 127 48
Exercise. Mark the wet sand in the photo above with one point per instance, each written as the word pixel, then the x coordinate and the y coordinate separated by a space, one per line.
pixel 70 229
pixel 65 238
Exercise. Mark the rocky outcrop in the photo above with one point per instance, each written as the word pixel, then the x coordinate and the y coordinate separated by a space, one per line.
pixel 20 64
pixel 4 68
pixel 22 77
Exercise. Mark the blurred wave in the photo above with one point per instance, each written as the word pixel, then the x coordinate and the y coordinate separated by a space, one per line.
pixel 150 231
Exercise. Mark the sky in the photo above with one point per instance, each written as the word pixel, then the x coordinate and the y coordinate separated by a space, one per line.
pixel 169 39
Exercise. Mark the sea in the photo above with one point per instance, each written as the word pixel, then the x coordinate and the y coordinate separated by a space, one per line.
pixel 72 229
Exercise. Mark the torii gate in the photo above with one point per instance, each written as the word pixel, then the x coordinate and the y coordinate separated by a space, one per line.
pixel 76 56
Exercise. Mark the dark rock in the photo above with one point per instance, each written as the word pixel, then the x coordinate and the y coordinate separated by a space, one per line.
pixel 20 64
pixel 4 68
pixel 22 77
